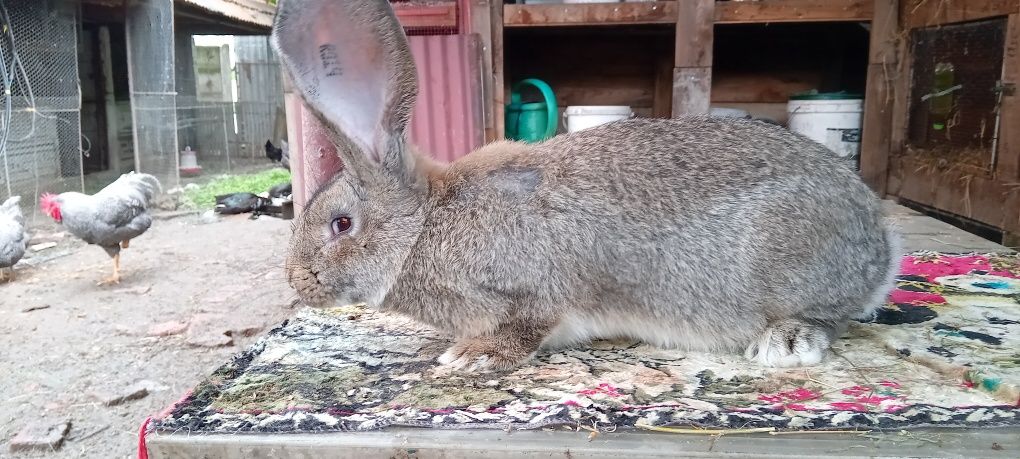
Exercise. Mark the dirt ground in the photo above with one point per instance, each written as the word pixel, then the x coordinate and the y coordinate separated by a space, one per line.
pixel 65 342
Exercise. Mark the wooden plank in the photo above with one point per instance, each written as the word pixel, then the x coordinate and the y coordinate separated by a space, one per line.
pixel 414 15
pixel 662 104
pixel 480 23
pixel 774 87
pixel 926 13
pixel 692 77
pixel 692 90
pixel 958 191
pixel 695 33
pixel 589 14
pixel 879 97
pixel 794 11
pixel 499 95
pixel 877 129
pixel 1008 151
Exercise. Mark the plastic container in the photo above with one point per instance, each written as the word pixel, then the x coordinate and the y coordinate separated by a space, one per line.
pixel 189 162
pixel 724 112
pixel 578 117
pixel 831 119
pixel 531 121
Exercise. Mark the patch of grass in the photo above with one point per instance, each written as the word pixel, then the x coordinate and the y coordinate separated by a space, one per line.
pixel 205 195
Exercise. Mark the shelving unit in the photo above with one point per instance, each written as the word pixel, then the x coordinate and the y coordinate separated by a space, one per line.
pixel 589 14
pixel 769 11
pixel 665 12
pixel 669 57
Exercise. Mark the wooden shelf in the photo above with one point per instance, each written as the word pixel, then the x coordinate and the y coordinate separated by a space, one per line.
pixel 794 11
pixel 589 14
pixel 426 16
pixel 665 12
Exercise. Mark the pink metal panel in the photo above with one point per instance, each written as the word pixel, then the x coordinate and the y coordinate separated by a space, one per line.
pixel 446 121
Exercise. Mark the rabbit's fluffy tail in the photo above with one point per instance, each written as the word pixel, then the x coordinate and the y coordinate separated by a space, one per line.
pixel 880 295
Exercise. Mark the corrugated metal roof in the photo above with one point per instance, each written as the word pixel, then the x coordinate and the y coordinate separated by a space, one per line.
pixel 257 12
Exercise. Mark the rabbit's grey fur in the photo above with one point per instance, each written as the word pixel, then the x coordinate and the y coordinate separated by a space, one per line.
pixel 699 233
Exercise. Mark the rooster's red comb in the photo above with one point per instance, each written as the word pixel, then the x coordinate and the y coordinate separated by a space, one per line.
pixel 47 201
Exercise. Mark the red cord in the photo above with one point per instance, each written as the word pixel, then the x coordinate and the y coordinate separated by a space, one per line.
pixel 143 451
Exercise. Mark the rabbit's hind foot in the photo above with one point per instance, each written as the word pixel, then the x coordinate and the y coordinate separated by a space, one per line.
pixel 791 343
pixel 504 349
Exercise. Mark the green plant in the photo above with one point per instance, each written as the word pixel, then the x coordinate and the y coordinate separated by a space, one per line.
pixel 205 195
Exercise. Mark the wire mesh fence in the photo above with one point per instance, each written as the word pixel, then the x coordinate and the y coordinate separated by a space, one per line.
pixel 41 146
pixel 150 54
pixel 954 96
pixel 223 103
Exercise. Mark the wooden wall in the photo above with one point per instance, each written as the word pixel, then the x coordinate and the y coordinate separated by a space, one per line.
pixel 989 195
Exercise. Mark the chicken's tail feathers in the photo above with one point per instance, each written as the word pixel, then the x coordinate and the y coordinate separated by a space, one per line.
pixel 148 184
pixel 10 208
pixel 10 203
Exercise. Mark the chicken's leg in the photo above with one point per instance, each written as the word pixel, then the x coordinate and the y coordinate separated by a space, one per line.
pixel 3 274
pixel 115 278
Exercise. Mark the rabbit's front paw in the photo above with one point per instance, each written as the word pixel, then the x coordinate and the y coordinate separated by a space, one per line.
pixel 479 355
pixel 789 343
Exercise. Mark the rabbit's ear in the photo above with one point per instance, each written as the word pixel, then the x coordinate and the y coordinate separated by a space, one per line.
pixel 351 62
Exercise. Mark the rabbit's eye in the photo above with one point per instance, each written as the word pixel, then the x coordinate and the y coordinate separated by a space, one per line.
pixel 340 225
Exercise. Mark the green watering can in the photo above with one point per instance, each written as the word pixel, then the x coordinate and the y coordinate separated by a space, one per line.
pixel 533 121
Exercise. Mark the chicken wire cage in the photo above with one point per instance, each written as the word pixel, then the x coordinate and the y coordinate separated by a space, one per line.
pixel 955 93
pixel 150 55
pixel 41 145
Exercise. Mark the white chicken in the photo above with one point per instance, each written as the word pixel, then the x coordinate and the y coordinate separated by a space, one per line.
pixel 13 239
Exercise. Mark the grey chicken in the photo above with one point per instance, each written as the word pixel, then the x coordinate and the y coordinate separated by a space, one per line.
pixel 109 218
pixel 13 238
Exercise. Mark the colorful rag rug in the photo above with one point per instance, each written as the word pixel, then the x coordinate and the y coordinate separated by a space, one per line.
pixel 945 351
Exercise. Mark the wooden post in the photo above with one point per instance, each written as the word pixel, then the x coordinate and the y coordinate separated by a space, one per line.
pixel 498 84
pixel 879 100
pixel 1007 167
pixel 692 74
pixel 109 100
pixel 479 21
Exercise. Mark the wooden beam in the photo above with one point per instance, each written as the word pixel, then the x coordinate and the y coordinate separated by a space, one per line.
pixel 480 23
pixel 879 97
pixel 499 95
pixel 1007 167
pixel 662 102
pixel 692 77
pixel 692 90
pixel 589 14
pixel 926 13
pixel 695 33
pixel 414 15
pixel 794 11
pixel 956 190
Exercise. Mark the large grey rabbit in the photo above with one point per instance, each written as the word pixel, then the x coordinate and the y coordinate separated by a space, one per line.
pixel 696 233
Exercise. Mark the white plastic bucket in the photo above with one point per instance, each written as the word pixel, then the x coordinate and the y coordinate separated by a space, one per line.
pixel 835 123
pixel 723 112
pixel 578 117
